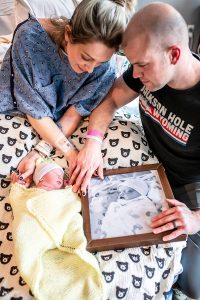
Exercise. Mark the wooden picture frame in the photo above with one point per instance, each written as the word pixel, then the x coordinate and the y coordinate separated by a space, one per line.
pixel 117 211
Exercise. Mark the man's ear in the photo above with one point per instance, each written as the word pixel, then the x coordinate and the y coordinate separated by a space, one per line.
pixel 175 52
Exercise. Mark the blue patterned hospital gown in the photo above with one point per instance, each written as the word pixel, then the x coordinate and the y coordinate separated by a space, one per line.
pixel 45 85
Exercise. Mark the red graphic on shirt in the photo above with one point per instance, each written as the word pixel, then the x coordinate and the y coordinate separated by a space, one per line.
pixel 172 124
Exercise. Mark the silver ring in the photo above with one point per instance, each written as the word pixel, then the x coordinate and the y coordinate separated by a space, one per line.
pixel 174 224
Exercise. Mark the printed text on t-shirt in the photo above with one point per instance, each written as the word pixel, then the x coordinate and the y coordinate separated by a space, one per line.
pixel 171 123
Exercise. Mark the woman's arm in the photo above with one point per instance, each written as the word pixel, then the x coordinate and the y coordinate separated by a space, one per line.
pixel 70 121
pixel 50 132
pixel 56 137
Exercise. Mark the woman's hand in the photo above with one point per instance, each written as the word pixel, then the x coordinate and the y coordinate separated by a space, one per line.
pixel 179 217
pixel 25 169
pixel 71 157
pixel 89 161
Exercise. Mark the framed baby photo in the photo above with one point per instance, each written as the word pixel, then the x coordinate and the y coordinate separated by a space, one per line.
pixel 117 211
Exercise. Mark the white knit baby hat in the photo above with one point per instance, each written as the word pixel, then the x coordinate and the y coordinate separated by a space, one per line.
pixel 42 168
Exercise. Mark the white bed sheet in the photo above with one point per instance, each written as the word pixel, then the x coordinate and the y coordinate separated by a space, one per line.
pixel 130 273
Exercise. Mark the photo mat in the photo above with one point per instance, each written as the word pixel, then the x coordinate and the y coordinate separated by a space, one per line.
pixel 118 210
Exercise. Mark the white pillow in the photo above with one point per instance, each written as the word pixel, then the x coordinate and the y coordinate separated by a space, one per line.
pixel 7 17
pixel 44 8
pixel 7 7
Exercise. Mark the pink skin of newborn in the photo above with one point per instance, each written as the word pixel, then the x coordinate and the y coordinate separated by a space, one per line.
pixel 53 180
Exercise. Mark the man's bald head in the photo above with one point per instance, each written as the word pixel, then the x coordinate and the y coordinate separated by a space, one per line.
pixel 159 22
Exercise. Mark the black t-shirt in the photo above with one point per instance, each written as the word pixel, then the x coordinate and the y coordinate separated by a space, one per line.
pixel 171 121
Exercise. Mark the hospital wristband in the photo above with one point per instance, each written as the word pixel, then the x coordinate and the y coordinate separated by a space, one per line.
pixel 44 148
pixel 96 138
pixel 96 133
pixel 63 144
pixel 41 154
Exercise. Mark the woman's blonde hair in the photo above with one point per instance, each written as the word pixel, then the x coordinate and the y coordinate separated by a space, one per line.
pixel 95 20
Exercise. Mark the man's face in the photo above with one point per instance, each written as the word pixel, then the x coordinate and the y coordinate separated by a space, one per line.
pixel 151 64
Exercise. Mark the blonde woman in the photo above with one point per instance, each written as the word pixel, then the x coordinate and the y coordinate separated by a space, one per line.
pixel 58 70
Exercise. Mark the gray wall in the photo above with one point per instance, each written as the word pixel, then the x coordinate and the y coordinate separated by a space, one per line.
pixel 190 10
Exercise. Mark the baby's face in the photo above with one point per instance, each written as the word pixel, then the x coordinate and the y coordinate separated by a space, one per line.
pixel 127 193
pixel 53 180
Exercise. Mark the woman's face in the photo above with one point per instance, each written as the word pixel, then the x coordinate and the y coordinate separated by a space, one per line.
pixel 86 57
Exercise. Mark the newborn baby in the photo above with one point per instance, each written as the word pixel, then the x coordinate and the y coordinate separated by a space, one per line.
pixel 48 176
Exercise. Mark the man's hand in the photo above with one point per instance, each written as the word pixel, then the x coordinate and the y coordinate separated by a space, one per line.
pixel 186 221
pixel 89 161
pixel 25 169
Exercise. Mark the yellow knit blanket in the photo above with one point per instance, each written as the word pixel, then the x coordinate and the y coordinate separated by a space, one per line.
pixel 50 245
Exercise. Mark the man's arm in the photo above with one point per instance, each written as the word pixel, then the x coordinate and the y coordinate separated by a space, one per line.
pixel 90 157
pixel 119 95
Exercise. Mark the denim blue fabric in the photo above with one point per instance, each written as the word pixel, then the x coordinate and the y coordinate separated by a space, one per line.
pixel 45 85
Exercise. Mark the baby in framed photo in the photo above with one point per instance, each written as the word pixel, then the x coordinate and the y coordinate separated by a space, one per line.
pixel 118 211
pixel 124 204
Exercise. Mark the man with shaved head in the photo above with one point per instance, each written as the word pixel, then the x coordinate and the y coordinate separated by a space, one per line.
pixel 156 44
pixel 165 74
